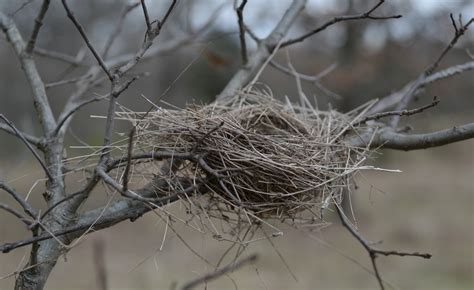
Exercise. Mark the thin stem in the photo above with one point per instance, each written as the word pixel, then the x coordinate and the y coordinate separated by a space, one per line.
pixel 366 15
pixel 373 252
pixel 243 45
pixel 28 145
pixel 26 206
pixel 79 27
pixel 38 23
pixel 145 14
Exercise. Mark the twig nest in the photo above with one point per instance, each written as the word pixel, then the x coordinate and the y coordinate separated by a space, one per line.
pixel 257 154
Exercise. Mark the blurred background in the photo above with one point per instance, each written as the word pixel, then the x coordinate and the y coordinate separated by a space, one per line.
pixel 427 208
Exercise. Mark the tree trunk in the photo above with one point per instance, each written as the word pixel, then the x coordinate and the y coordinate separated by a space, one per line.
pixel 35 276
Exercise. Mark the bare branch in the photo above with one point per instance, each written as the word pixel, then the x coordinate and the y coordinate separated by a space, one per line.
pixel 58 56
pixel 118 28
pixel 79 27
pixel 168 13
pixel 387 138
pixel 28 145
pixel 373 252
pixel 394 98
pixel 39 143
pixel 129 160
pixel 59 202
pixel 243 45
pixel 458 32
pixel 73 111
pixel 170 45
pixel 398 113
pixel 38 23
pixel 17 214
pixel 40 100
pixel 366 15
pixel 26 206
pixel 110 120
pixel 147 18
pixel 151 35
pixel 411 91
pixel 265 48
pixel 220 272
pixel 64 82
pixel 107 216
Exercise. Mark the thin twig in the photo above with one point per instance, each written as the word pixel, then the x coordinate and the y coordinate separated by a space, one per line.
pixel 40 100
pixel 118 28
pixel 47 211
pixel 458 32
pixel 373 252
pixel 114 215
pixel 16 213
pixel 398 113
pixel 168 13
pixel 393 99
pixel 65 82
pixel 151 35
pixel 220 272
pixel 25 205
pixel 265 49
pixel 28 145
pixel 126 173
pixel 58 56
pixel 38 23
pixel 74 110
pixel 147 18
pixel 366 15
pixel 79 27
pixel 411 92
pixel 37 142
pixel 116 91
pixel 243 45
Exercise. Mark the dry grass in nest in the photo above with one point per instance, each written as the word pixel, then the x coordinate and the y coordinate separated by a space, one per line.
pixel 260 156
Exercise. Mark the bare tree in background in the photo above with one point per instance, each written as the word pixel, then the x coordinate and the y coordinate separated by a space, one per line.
pixel 55 229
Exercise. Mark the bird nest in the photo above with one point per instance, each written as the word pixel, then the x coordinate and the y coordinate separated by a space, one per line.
pixel 254 154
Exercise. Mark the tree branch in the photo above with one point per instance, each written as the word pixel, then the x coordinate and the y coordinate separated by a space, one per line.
pixel 26 206
pixel 398 113
pixel 28 145
pixel 243 45
pixel 118 27
pixel 366 15
pixel 15 213
pixel 387 138
pixel 394 98
pixel 147 18
pixel 40 100
pixel 58 56
pixel 37 142
pixel 71 112
pixel 374 252
pixel 151 35
pixel 107 216
pixel 265 48
pixel 38 23
pixel 411 91
pixel 126 173
pixel 79 27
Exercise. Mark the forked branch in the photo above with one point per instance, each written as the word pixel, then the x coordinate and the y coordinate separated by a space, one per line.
pixel 366 15
pixel 372 251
